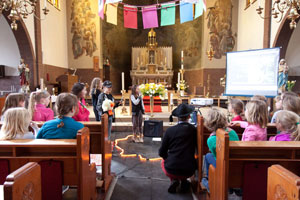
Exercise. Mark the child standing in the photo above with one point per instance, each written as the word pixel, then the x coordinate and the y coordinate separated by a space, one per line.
pixel 236 107
pixel 94 93
pixel 64 127
pixel 38 103
pixel 137 113
pixel 287 123
pixel 103 98
pixel 79 90
pixel 257 119
pixel 13 100
pixel 15 125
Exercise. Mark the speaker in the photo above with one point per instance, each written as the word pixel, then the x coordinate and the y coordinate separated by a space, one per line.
pixel 153 128
pixel 2 71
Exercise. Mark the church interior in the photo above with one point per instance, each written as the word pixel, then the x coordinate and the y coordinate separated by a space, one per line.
pixel 150 100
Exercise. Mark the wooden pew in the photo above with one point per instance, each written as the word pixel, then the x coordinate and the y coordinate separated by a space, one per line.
pixel 24 183
pixel 282 184
pixel 233 156
pixel 72 153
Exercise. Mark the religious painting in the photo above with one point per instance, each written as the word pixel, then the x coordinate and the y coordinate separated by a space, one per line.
pixel 219 23
pixel 83 28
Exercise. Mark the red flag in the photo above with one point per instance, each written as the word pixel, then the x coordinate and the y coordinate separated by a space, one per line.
pixel 130 17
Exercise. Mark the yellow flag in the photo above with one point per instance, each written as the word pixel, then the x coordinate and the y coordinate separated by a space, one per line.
pixel 112 13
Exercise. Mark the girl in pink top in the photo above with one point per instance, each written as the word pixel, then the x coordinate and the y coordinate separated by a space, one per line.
pixel 257 119
pixel 38 103
pixel 83 114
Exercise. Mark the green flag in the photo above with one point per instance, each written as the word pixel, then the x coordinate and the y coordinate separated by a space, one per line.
pixel 167 14
pixel 199 9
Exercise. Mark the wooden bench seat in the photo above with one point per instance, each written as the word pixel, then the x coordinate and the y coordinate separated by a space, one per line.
pixel 234 156
pixel 72 153
pixel 282 184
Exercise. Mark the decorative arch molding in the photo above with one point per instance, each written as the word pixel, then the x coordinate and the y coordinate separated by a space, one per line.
pixel 283 35
pixel 25 47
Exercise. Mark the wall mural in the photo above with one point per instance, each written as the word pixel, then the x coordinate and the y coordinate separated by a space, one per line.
pixel 219 23
pixel 83 28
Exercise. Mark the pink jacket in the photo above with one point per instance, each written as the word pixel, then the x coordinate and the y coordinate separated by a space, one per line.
pixel 253 132
pixel 42 113
pixel 83 113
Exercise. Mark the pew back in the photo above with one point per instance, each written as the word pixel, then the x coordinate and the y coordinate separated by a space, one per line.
pixel 282 183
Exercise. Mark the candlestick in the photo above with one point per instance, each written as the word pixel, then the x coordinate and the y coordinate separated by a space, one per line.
pixel 178 80
pixel 123 81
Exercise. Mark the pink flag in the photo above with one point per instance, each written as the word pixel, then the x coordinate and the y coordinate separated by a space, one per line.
pixel 101 4
pixel 150 17
pixel 130 17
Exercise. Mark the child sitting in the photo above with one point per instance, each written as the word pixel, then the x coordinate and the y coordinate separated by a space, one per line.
pixel 83 114
pixel 236 107
pixel 65 127
pixel 257 119
pixel 13 100
pixel 16 124
pixel 215 120
pixel 38 104
pixel 287 123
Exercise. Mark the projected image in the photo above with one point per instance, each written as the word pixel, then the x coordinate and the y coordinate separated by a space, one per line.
pixel 252 72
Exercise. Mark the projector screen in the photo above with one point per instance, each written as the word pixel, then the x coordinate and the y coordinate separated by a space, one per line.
pixel 252 72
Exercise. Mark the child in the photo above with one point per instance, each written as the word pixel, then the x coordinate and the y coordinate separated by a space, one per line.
pixel 103 98
pixel 278 107
pixel 287 123
pixel 13 100
pixel 83 114
pixel 215 120
pixel 64 127
pixel 236 107
pixel 137 113
pixel 16 124
pixel 257 119
pixel 95 92
pixel 178 150
pixel 38 103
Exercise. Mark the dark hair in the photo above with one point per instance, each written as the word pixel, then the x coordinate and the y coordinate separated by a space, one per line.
pixel 65 103
pixel 12 101
pixel 133 90
pixel 77 88
pixel 183 118
pixel 237 105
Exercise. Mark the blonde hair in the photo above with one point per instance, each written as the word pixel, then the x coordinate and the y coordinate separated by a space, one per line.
pixel 289 122
pixel 96 84
pixel 12 101
pixel 257 113
pixel 16 121
pixel 291 103
pixel 259 97
pixel 237 105
pixel 215 119
pixel 35 97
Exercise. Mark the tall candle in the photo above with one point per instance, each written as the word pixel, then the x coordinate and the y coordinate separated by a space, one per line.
pixel 181 54
pixel 123 81
pixel 171 98
pixel 178 80
pixel 42 84
pixel 181 59
pixel 45 3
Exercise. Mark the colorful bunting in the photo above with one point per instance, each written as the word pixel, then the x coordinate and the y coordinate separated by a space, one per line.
pixel 101 8
pixel 186 12
pixel 112 1
pixel 150 17
pixel 199 9
pixel 112 13
pixel 130 17
pixel 167 14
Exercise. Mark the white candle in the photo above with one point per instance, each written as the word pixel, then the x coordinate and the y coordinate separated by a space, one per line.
pixel 181 54
pixel 45 3
pixel 123 81
pixel 171 98
pixel 181 66
pixel 42 83
pixel 178 79
pixel 181 59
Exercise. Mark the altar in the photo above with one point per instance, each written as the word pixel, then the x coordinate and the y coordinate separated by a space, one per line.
pixel 151 63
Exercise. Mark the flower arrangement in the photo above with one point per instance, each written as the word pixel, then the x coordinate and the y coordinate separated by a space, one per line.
pixel 108 106
pixel 182 86
pixel 152 89
pixel 290 85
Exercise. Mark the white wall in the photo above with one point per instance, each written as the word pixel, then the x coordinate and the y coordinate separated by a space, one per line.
pixel 9 51
pixel 54 36
pixel 293 52
pixel 29 23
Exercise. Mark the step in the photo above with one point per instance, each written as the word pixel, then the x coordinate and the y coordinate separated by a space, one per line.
pixel 127 126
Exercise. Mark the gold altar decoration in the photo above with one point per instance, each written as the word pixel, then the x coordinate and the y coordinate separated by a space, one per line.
pixel 18 9
pixel 278 9
pixel 210 53
pixel 151 63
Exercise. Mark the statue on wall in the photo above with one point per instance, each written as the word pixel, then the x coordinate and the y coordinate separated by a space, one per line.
pixel 282 76
pixel 83 28
pixel 24 73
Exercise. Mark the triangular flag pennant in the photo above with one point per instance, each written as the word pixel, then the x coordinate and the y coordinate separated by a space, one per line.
pixel 167 14
pixel 186 12
pixel 101 8
pixel 150 17
pixel 199 9
pixel 130 17
pixel 112 13
pixel 112 1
